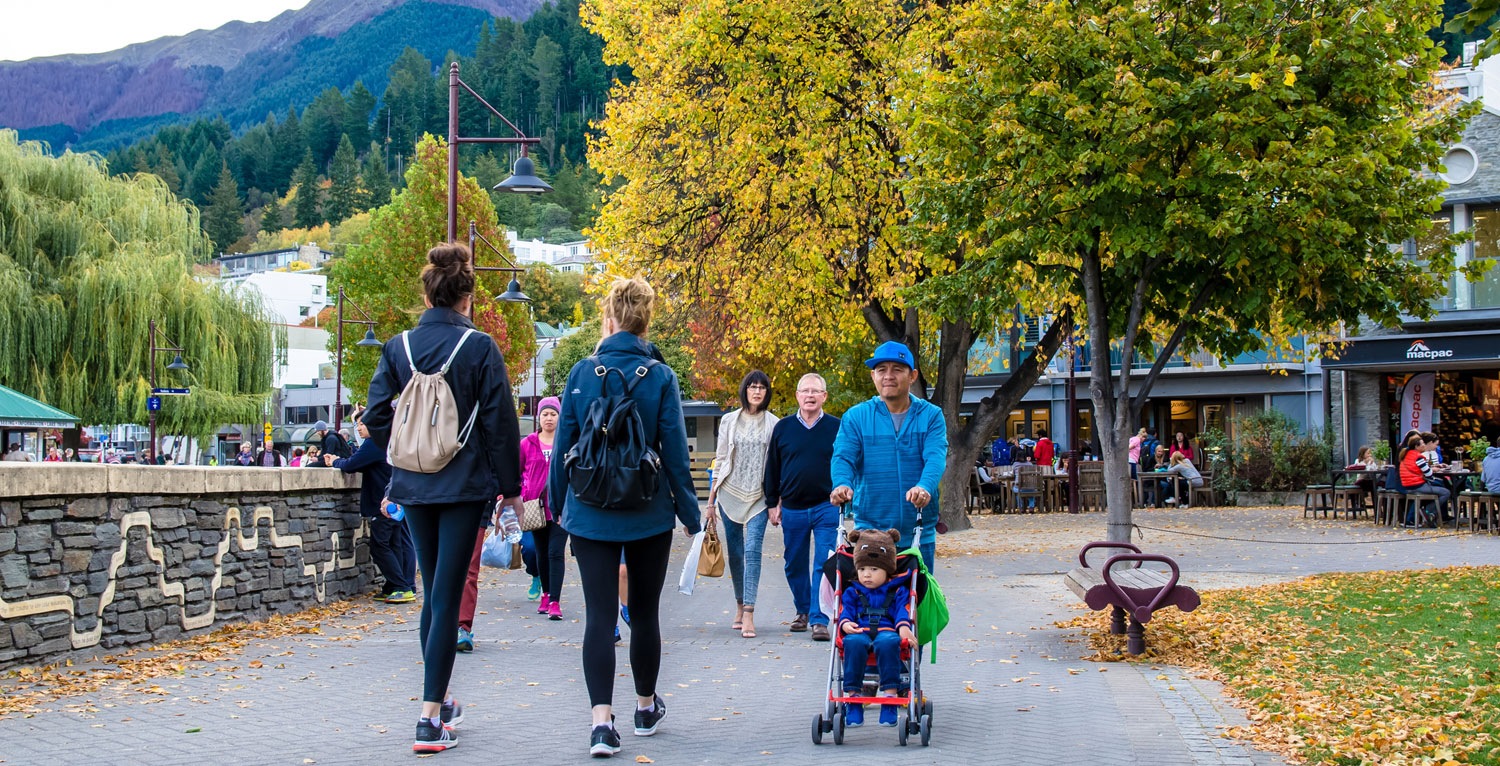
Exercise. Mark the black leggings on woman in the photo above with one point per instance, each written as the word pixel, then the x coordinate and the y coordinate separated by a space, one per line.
pixel 599 570
pixel 551 555
pixel 444 537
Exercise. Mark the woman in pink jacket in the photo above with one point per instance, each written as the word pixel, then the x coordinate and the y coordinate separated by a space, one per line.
pixel 551 540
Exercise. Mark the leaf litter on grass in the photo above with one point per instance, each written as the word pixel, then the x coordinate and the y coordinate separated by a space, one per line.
pixel 1375 667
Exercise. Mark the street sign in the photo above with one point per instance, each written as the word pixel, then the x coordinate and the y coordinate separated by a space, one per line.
pixel 268 432
pixel 153 403
pixel 171 391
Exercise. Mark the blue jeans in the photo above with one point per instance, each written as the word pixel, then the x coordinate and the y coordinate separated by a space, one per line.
pixel 821 522
pixel 528 554
pixel 929 552
pixel 887 646
pixel 743 542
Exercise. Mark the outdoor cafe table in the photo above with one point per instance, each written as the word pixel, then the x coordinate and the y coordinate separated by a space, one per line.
pixel 1358 474
pixel 1159 479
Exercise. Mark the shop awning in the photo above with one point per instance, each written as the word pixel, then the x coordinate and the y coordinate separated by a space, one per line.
pixel 18 410
pixel 1411 351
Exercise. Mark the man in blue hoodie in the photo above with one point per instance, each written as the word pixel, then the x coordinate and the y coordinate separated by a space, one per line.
pixel 890 453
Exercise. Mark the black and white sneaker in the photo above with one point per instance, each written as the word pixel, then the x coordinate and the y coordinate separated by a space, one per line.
pixel 605 741
pixel 432 738
pixel 453 714
pixel 646 721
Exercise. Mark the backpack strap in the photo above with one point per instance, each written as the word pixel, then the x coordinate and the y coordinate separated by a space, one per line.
pixel 640 375
pixel 453 355
pixel 410 360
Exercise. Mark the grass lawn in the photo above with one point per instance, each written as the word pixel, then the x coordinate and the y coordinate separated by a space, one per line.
pixel 1380 667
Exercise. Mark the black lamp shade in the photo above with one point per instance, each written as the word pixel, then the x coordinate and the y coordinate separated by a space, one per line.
pixel 523 179
pixel 177 363
pixel 513 293
pixel 369 339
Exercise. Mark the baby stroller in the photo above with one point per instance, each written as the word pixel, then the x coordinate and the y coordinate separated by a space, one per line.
pixel 915 717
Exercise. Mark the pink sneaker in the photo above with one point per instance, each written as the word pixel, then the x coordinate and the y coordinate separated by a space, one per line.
pixel 554 611
pixel 541 607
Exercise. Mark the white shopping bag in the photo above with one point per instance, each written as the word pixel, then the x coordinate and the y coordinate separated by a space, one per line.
pixel 827 599
pixel 689 577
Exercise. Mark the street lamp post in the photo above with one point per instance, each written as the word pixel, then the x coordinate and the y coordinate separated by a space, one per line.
pixel 1073 451
pixel 177 364
pixel 368 340
pixel 523 178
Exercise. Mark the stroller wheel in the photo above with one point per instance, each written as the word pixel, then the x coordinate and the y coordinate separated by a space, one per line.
pixel 838 728
pixel 926 726
pixel 927 709
pixel 817 731
pixel 903 727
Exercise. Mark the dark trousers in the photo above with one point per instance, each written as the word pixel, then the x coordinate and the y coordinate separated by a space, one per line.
pixel 391 550
pixel 887 647
pixel 599 570
pixel 444 536
pixel 551 553
pixel 528 554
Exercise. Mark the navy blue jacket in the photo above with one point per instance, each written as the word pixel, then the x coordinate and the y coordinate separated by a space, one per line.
pixel 659 401
pixel 490 463
pixel 369 459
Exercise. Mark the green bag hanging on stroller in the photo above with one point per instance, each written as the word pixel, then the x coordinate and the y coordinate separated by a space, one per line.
pixel 932 607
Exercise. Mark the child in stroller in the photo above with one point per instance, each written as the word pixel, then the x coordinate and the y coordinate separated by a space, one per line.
pixel 875 617
pixel 875 590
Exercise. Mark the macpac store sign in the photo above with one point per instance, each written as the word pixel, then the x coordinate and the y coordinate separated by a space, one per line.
pixel 1420 350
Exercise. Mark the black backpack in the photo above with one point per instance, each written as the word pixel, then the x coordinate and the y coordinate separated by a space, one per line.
pixel 611 466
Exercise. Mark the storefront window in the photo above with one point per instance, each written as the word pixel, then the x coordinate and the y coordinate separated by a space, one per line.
pixel 1422 248
pixel 1486 228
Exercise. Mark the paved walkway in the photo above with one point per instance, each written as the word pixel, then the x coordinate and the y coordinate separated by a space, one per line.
pixel 1008 686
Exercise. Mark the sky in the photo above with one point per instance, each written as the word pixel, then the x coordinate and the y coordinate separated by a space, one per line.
pixel 49 27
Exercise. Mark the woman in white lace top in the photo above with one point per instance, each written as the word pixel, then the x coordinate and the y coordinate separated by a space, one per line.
pixel 738 494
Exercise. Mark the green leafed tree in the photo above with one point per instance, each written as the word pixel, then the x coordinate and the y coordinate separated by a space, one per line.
pixel 381 275
pixel 224 218
pixel 85 261
pixel 1187 176
pixel 343 190
pixel 306 212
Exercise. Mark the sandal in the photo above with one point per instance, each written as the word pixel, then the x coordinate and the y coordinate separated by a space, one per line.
pixel 748 632
pixel 739 615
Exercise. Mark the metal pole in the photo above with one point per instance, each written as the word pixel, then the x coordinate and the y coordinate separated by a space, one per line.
pixel 1073 450
pixel 453 152
pixel 338 375
pixel 151 333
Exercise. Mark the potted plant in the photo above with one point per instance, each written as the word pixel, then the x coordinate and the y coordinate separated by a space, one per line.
pixel 1478 448
pixel 1382 452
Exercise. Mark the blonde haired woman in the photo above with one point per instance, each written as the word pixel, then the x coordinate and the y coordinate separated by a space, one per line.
pixel 643 535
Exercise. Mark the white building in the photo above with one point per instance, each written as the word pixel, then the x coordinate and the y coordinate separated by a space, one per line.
pixel 293 296
pixel 568 256
pixel 236 265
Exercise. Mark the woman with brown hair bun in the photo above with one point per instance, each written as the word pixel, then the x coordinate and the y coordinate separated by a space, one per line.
pixel 642 534
pixel 444 509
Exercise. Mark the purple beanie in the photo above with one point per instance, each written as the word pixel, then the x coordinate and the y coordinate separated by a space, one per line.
pixel 550 401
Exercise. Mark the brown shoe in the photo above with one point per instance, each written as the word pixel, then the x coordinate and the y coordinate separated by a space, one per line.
pixel 820 632
pixel 799 625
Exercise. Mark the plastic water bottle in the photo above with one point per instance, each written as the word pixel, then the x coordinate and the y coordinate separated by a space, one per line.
pixel 510 527
pixel 397 512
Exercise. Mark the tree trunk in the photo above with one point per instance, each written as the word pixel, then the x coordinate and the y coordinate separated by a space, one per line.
pixel 1113 444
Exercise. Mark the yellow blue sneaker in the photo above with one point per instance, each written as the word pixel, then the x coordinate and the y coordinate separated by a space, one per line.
pixel 465 640
pixel 536 589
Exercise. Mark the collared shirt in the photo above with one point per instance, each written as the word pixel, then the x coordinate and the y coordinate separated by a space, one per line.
pixel 807 425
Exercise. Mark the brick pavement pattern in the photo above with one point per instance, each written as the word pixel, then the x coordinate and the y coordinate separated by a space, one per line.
pixel 347 696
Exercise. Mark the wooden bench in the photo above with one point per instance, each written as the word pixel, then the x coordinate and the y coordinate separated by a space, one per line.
pixel 1133 592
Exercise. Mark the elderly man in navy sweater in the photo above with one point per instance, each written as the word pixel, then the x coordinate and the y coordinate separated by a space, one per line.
pixel 797 484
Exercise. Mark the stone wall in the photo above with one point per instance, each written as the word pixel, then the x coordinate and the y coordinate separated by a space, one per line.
pixel 96 558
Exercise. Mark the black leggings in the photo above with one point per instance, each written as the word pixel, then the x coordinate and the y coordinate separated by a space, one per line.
pixel 551 556
pixel 444 537
pixel 599 570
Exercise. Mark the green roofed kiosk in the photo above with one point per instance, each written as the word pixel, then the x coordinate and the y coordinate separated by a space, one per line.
pixel 25 421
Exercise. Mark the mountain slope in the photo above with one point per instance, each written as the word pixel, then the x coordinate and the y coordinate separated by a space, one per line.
pixel 240 70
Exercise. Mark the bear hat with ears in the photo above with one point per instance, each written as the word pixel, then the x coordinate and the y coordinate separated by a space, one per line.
pixel 875 548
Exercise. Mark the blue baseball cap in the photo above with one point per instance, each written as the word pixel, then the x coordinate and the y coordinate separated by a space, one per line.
pixel 891 351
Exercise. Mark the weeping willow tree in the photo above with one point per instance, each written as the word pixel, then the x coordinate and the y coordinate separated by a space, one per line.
pixel 85 261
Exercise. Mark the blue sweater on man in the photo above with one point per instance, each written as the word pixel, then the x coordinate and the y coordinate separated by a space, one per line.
pixel 881 465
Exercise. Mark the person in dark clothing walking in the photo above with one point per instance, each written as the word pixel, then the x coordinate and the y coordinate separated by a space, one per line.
pixel 390 541
pixel 797 485
pixel 443 509
pixel 330 442
pixel 643 534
